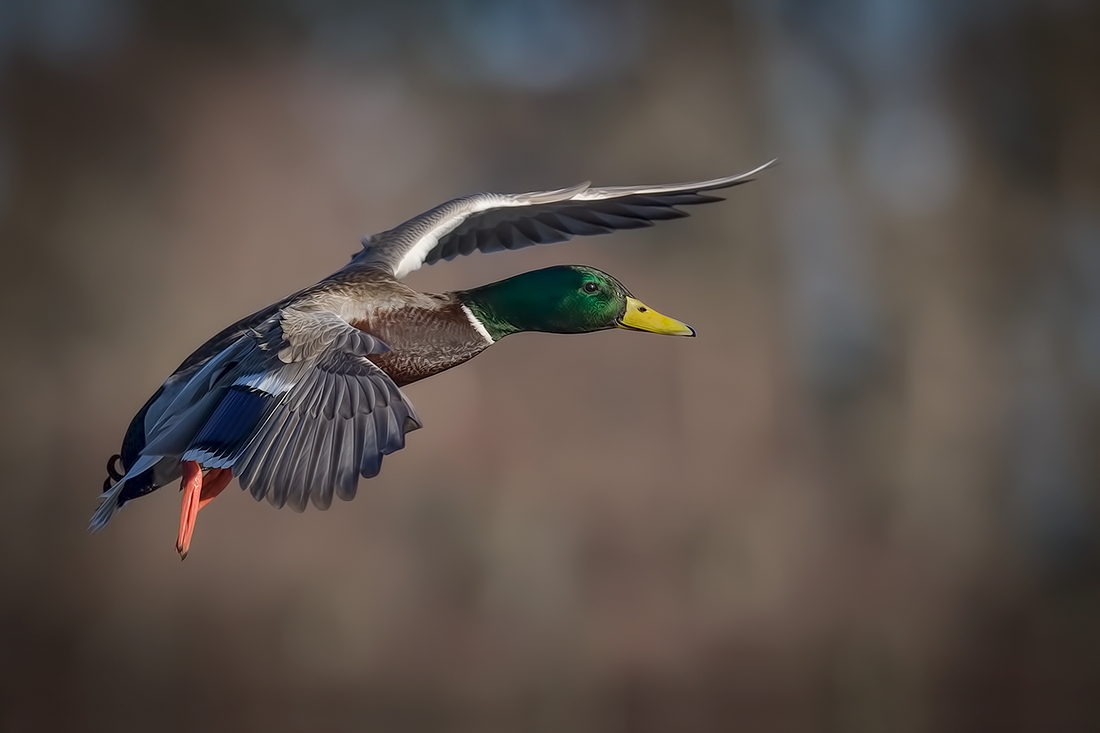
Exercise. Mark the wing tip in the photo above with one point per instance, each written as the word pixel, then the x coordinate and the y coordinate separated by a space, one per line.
pixel 613 192
pixel 737 178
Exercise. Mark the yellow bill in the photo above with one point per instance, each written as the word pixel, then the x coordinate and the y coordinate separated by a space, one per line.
pixel 640 317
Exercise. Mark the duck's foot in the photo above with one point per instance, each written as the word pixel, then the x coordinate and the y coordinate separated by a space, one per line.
pixel 214 483
pixel 198 491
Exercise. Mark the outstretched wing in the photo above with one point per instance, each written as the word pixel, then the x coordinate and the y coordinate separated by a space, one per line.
pixel 491 222
pixel 295 409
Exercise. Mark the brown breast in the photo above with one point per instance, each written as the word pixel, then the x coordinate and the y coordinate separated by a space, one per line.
pixel 424 339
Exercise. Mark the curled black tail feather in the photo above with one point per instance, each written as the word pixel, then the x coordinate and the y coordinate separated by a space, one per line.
pixel 113 474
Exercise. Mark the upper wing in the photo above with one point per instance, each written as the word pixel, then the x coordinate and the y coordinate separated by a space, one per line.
pixel 490 222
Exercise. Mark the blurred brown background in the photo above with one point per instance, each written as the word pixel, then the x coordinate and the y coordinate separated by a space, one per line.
pixel 864 499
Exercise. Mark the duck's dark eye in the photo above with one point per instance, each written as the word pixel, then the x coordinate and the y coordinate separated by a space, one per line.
pixel 591 287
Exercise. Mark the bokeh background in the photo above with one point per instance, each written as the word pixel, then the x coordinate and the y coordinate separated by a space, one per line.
pixel 864 499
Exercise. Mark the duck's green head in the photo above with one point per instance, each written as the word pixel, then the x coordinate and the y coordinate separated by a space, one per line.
pixel 564 299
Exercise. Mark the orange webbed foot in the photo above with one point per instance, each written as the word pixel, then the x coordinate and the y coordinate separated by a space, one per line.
pixel 198 491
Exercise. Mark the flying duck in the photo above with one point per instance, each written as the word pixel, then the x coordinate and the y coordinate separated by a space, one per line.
pixel 302 398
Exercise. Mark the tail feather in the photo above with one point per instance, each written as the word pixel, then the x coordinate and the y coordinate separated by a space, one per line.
pixel 108 505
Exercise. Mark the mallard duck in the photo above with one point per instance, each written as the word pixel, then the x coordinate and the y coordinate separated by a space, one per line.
pixel 302 398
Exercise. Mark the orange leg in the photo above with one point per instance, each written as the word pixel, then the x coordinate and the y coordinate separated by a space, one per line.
pixel 192 488
pixel 198 491
pixel 213 484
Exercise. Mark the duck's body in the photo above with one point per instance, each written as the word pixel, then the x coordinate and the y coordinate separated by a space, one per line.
pixel 300 399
